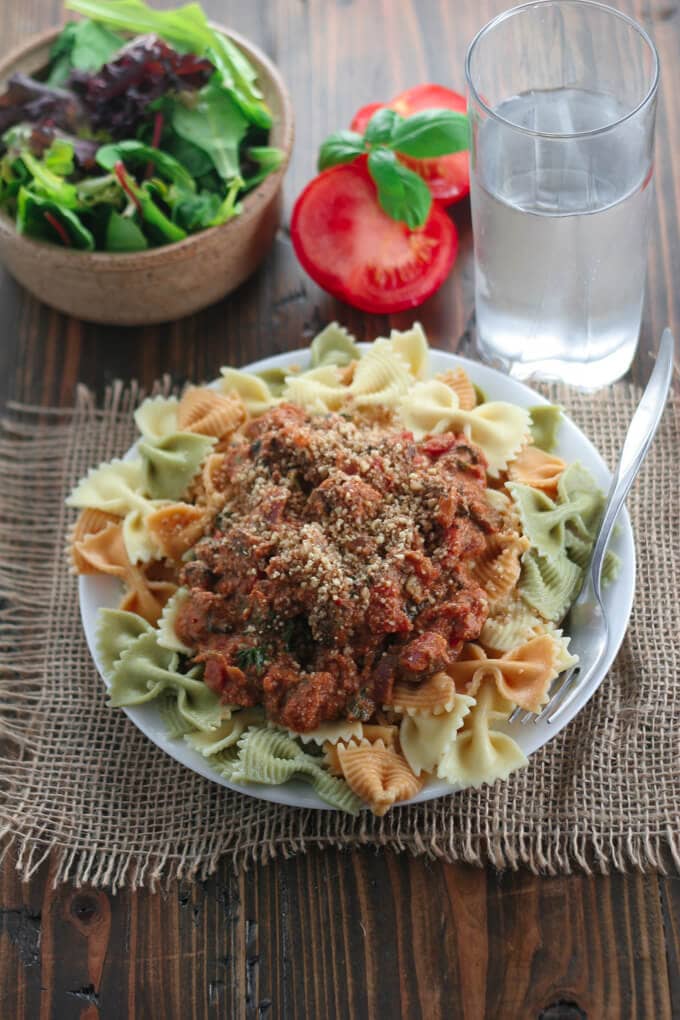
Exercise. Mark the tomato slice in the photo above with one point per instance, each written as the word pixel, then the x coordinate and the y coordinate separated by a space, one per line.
pixel 354 250
pixel 448 177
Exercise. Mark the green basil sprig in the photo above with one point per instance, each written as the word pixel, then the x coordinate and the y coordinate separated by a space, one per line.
pixel 341 147
pixel 402 194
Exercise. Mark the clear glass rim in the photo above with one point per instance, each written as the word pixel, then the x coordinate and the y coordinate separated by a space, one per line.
pixel 510 13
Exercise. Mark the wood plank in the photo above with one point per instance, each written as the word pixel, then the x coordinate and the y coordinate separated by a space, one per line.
pixel 335 935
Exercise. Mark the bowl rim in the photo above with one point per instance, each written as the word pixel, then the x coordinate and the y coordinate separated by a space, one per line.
pixel 176 250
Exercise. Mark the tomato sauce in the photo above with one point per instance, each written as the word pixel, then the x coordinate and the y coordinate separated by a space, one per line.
pixel 338 564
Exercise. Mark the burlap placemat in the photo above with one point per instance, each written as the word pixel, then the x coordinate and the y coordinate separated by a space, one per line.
pixel 78 780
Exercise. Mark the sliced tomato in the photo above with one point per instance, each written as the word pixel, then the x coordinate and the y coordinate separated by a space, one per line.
pixel 448 177
pixel 354 250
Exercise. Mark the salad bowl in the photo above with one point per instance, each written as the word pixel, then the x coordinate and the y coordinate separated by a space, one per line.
pixel 159 284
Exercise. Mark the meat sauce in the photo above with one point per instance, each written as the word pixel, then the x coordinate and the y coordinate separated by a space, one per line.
pixel 338 564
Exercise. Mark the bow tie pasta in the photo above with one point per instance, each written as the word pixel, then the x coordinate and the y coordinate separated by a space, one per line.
pixel 343 572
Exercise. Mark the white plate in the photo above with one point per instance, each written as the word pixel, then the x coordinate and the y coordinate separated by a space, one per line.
pixel 99 591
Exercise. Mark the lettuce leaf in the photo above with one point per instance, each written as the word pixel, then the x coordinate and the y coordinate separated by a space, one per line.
pixel 123 234
pixel 33 218
pixel 84 45
pixel 132 153
pixel 187 28
pixel 214 124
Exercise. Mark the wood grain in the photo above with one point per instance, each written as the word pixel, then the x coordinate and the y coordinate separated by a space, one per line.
pixel 334 935
pixel 343 935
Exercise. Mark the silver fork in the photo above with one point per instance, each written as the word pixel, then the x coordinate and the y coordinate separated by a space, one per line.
pixel 587 620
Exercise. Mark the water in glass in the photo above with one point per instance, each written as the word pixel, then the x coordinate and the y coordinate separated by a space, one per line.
pixel 560 237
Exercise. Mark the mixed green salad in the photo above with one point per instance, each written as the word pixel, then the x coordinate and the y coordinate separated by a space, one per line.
pixel 145 127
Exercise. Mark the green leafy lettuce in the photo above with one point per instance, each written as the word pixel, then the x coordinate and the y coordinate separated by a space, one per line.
pixel 188 29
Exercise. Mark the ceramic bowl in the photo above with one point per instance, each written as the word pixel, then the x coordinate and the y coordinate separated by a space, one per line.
pixel 163 283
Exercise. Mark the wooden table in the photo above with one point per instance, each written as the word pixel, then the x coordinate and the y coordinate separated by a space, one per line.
pixel 334 935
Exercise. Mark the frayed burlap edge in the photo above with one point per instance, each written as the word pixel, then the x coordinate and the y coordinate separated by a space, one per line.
pixel 472 827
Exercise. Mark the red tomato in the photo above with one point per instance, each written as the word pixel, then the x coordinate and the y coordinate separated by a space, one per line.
pixel 435 446
pixel 448 177
pixel 351 248
pixel 362 116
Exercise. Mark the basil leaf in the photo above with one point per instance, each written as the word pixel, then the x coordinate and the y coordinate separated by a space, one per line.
pixel 123 234
pixel 381 126
pixel 402 194
pixel 341 147
pixel 431 133
pixel 216 125
pixel 132 153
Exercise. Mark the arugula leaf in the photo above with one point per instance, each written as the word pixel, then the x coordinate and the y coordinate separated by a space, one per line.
pixel 341 147
pixel 137 153
pixel 381 126
pixel 123 234
pixel 216 125
pixel 187 28
pixel 84 45
pixel 36 217
pixel 430 133
pixel 402 194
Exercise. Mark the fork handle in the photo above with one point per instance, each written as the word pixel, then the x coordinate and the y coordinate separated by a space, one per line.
pixel 640 433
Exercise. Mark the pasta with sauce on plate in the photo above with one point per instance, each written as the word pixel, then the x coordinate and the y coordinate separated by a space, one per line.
pixel 347 573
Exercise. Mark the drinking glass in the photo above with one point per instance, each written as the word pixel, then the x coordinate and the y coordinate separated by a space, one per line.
pixel 562 101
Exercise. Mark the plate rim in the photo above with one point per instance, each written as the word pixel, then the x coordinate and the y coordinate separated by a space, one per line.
pixel 296 793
